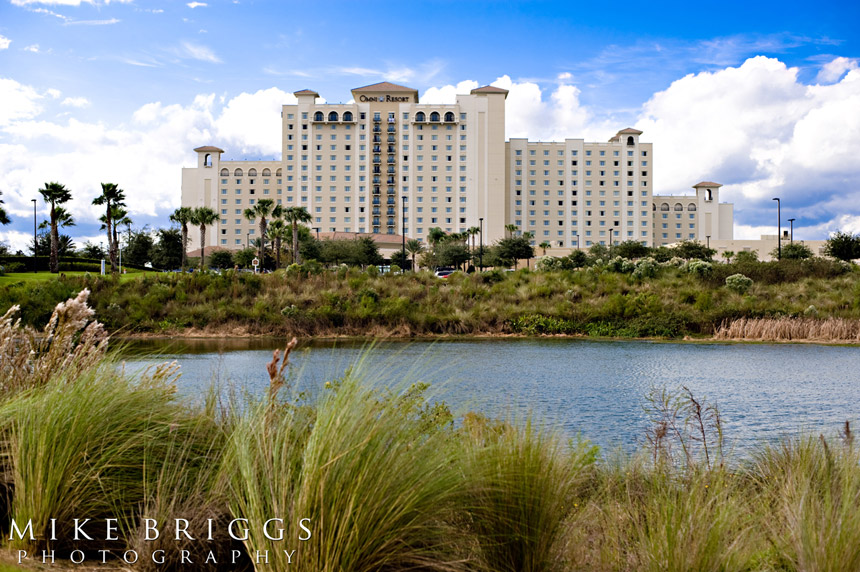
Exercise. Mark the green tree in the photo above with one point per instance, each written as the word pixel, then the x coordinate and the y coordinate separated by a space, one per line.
pixel 262 210
pixel 400 258
pixel 65 245
pixel 138 250
pixel 203 217
pixel 414 248
pixel 294 216
pixel 91 250
pixel 4 217
pixel 55 195
pixel 843 246
pixel 452 253
pixel 111 198
pixel 746 257
pixel 277 232
pixel 510 250
pixel 169 251
pixel 511 230
pixel 728 254
pixel 244 257
pixel 693 250
pixel 221 259
pixel 631 249
pixel 543 246
pixel 435 235
pixel 182 216
pixel 793 251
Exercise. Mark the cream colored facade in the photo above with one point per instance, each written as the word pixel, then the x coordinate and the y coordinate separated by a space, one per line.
pixel 701 217
pixel 386 163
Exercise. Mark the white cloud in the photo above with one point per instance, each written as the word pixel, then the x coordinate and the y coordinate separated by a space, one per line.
pixel 32 48
pixel 76 102
pixel 447 94
pixel 19 102
pixel 53 93
pixel 4 42
pixel 833 70
pixel 65 2
pixel 92 22
pixel 193 5
pixel 16 239
pixel 143 154
pixel 199 52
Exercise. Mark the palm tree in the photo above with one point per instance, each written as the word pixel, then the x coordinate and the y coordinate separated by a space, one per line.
pixel 203 217
pixel 64 218
pixel 511 229
pixel 728 255
pixel 435 235
pixel 111 197
pixel 295 215
pixel 55 194
pixel 182 215
pixel 277 231
pixel 263 209
pixel 4 218
pixel 544 245
pixel 414 247
pixel 473 232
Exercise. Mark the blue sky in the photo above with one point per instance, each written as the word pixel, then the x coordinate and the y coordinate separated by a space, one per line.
pixel 761 96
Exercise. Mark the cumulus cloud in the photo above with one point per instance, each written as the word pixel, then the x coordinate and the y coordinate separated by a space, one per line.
pixel 193 5
pixel 833 70
pixel 32 48
pixel 144 154
pixel 758 129
pixel 4 42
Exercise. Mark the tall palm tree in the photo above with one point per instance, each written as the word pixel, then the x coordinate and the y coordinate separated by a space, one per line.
pixel 435 235
pixel 64 218
pixel 263 209
pixel 182 215
pixel 414 247
pixel 511 229
pixel 4 218
pixel 473 232
pixel 55 194
pixel 295 215
pixel 544 245
pixel 203 217
pixel 277 231
pixel 111 197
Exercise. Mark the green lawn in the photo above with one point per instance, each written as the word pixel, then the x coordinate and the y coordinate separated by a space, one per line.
pixel 16 277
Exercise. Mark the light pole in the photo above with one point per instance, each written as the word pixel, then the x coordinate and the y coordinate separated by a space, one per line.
pixel 708 239
pixel 778 229
pixel 577 242
pixel 403 233
pixel 481 247
pixel 316 228
pixel 791 232
pixel 35 242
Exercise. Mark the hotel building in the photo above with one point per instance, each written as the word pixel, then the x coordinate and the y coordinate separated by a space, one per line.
pixel 386 163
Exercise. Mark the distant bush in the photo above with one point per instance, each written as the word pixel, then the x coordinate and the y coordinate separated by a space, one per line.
pixel 700 268
pixel 738 283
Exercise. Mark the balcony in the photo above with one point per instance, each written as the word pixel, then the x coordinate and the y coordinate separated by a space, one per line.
pixel 391 120
pixel 391 211
pixel 376 201
pixel 377 211
pixel 391 159
pixel 377 129
pixel 392 139
pixel 391 129
pixel 390 181
pixel 377 170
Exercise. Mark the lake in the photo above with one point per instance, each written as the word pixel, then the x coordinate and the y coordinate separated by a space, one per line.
pixel 596 388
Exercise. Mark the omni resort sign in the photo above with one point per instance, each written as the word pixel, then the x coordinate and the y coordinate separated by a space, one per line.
pixel 384 98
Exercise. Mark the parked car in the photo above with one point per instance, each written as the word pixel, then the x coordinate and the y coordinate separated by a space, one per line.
pixel 444 272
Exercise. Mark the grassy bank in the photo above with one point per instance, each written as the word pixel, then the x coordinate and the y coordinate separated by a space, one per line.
pixel 365 478
pixel 611 299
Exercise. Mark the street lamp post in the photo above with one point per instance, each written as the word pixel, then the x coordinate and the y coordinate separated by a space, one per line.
pixel 35 242
pixel 577 242
pixel 791 232
pixel 247 240
pixel 778 229
pixel 403 234
pixel 708 239
pixel 316 228
pixel 481 248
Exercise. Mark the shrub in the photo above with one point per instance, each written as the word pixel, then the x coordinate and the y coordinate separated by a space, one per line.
pixel 700 268
pixel 645 268
pixel 738 283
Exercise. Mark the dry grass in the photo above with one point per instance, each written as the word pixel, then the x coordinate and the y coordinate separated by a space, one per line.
pixel 790 329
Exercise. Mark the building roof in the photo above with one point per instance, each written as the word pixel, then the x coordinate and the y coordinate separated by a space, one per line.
pixel 385 86
pixel 306 92
pixel 490 89
pixel 208 149
pixel 706 184
pixel 630 131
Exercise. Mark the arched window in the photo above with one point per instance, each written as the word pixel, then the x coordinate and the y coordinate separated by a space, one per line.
pixel 252 172
pixel 664 207
pixel 347 115
pixel 207 160
pixel 420 116
pixel 278 173
pixel 332 116
pixel 318 116
pixel 653 206
pixel 225 173
pixel 449 117
pixel 267 173
pixel 434 117
pixel 691 207
pixel 630 140
pixel 679 207
pixel 237 172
